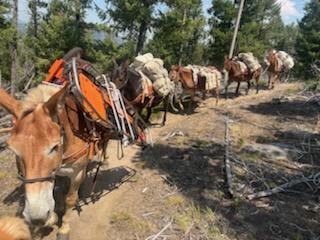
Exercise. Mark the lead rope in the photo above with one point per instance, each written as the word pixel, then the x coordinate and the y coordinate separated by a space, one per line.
pixel 100 163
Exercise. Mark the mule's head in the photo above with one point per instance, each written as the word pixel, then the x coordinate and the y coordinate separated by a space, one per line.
pixel 227 64
pixel 174 73
pixel 36 140
pixel 119 73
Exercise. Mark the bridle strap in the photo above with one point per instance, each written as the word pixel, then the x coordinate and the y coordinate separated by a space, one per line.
pixel 39 179
pixel 73 157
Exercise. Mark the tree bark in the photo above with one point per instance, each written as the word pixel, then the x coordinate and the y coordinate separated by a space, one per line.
pixel 142 36
pixel 184 19
pixel 14 47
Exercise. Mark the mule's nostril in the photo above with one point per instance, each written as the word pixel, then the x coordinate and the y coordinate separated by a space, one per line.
pixel 38 222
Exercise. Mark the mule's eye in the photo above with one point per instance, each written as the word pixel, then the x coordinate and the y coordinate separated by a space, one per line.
pixel 54 149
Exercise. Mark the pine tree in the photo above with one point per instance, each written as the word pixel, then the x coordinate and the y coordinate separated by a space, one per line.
pixel 5 40
pixel 132 18
pixel 177 33
pixel 221 24
pixel 31 38
pixel 308 41
pixel 62 28
pixel 14 47
pixel 261 28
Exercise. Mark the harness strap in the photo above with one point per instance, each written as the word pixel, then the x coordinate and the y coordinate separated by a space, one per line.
pixel 73 157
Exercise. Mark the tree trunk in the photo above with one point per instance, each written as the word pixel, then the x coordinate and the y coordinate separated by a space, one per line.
pixel 183 25
pixel 142 36
pixel 14 47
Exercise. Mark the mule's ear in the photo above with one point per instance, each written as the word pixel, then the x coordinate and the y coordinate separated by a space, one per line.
pixel 126 64
pixel 56 103
pixel 9 103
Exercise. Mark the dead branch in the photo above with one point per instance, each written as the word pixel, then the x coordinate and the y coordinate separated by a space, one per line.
pixel 314 178
pixel 5 130
pixel 154 237
pixel 227 160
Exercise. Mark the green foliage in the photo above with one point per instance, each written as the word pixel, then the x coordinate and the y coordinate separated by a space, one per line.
pixel 62 28
pixel 308 41
pixel 261 28
pixel 6 34
pixel 177 33
pixel 132 18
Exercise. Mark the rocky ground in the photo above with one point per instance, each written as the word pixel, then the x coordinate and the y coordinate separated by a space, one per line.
pixel 177 189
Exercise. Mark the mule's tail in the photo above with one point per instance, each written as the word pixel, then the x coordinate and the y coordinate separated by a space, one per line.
pixel 12 228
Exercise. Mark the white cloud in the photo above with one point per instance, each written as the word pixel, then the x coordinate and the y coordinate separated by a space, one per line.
pixel 289 10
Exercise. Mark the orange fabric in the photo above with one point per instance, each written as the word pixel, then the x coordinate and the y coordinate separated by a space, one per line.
pixel 94 97
pixel 55 71
pixel 98 98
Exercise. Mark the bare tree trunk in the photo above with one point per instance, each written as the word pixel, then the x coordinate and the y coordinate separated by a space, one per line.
pixel 14 47
pixel 183 23
pixel 142 36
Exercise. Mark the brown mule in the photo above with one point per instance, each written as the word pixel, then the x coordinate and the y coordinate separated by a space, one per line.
pixel 274 69
pixel 45 146
pixel 183 78
pixel 236 75
pixel 129 82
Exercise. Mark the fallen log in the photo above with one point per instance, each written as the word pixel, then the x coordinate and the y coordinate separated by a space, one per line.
pixel 227 160
pixel 282 188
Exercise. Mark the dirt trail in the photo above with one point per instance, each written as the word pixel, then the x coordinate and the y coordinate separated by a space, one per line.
pixel 183 180
pixel 94 219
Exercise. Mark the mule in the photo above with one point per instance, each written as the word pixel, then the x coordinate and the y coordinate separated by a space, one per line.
pixel 13 228
pixel 131 85
pixel 45 145
pixel 183 79
pixel 274 69
pixel 236 75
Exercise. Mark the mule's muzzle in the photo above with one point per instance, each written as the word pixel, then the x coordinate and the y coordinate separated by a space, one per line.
pixel 39 204
pixel 40 221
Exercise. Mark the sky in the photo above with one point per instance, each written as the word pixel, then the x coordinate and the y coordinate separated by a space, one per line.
pixel 291 10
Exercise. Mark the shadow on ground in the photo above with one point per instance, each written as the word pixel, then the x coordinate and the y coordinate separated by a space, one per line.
pixel 196 168
pixel 290 110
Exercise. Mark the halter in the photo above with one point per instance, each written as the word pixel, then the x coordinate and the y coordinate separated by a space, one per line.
pixel 71 158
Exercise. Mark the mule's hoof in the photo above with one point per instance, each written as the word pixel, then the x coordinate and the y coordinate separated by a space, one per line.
pixel 61 236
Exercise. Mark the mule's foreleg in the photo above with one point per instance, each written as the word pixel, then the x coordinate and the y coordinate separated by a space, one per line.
pixel 269 80
pixel 217 94
pixel 226 90
pixel 71 200
pixel 193 93
pixel 249 85
pixel 149 112
pixel 257 84
pixel 166 106
pixel 237 90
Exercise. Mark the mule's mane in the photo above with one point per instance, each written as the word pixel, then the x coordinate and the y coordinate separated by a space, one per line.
pixel 37 95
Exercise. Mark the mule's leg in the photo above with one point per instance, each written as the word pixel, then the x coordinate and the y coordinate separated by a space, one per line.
pixel 166 106
pixel 249 85
pixel 191 101
pixel 237 90
pixel 226 90
pixel 273 81
pixel 149 112
pixel 257 84
pixel 71 200
pixel 217 94
pixel 269 80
